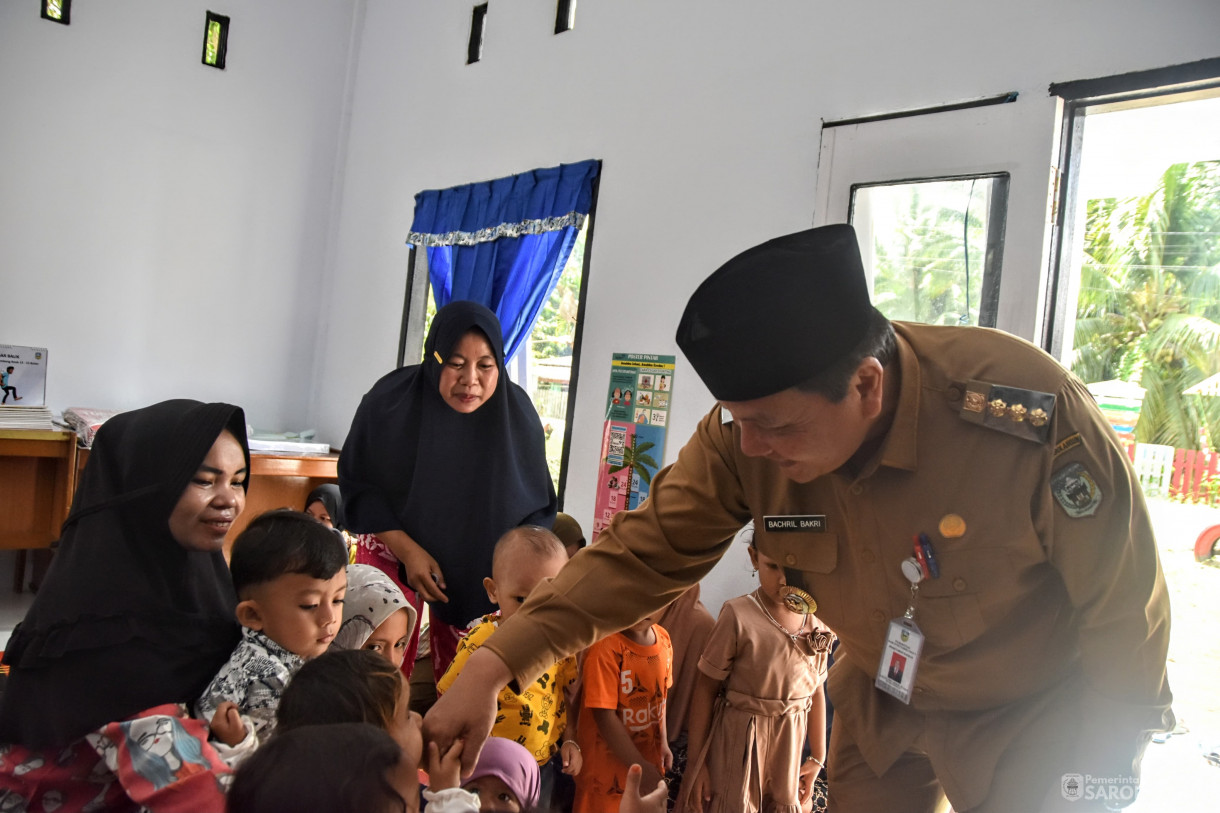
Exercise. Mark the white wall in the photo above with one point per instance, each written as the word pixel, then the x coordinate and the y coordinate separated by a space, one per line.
pixel 163 224
pixel 707 117
pixel 168 229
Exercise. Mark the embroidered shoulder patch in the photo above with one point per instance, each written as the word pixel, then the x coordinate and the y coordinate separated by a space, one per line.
pixel 1076 490
pixel 1011 410
pixel 1067 444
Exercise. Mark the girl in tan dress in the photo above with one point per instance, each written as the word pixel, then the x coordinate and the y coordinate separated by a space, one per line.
pixel 759 697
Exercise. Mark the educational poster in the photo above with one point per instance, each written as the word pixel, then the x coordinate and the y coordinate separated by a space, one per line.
pixel 23 375
pixel 633 438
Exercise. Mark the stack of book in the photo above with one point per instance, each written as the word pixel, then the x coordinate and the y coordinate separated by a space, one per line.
pixel 25 417
pixel 285 444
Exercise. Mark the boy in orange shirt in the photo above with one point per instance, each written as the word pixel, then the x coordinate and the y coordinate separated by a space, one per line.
pixel 624 682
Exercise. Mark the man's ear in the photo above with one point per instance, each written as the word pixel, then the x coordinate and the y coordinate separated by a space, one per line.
pixel 869 384
pixel 249 615
pixel 489 584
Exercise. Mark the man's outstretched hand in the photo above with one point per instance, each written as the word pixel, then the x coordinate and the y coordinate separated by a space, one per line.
pixel 468 709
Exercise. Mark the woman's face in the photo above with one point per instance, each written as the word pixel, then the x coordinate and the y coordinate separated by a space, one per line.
pixel 317 510
pixel 212 499
pixel 470 374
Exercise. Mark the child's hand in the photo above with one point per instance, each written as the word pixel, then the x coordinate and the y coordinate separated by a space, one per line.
pixel 651 776
pixel 633 802
pixel 667 757
pixel 809 772
pixel 226 724
pixel 696 791
pixel 572 760
pixel 444 771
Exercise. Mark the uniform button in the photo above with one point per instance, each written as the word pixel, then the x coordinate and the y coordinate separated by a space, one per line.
pixel 868 556
pixel 790 559
pixel 959 584
pixel 919 690
pixel 953 394
pixel 857 489
pixel 878 615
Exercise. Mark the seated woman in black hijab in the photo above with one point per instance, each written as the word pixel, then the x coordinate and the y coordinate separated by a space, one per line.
pixel 325 505
pixel 135 617
pixel 442 458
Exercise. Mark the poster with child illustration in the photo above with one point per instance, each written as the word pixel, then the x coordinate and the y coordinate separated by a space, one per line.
pixel 633 436
pixel 23 375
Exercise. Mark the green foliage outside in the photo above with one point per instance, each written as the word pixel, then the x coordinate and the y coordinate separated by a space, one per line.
pixel 554 337
pixel 921 265
pixel 1149 304
pixel 213 52
pixel 555 329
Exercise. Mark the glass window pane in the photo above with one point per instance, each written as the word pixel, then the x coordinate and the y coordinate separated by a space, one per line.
pixel 213 42
pixel 931 248
pixel 550 354
pixel 1144 268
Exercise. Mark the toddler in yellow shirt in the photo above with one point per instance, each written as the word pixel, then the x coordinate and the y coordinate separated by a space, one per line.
pixel 537 718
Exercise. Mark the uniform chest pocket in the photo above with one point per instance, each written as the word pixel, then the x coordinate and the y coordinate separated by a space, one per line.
pixel 949 611
pixel 806 552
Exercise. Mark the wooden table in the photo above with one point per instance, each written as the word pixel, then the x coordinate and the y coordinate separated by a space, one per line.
pixel 37 478
pixel 282 481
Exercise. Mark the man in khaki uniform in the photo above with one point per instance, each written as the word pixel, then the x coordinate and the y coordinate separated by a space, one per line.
pixel 1040 601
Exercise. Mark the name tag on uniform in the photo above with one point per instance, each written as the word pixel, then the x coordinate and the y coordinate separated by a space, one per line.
pixel 798 523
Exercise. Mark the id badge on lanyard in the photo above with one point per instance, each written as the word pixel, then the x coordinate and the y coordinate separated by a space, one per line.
pixel 903 639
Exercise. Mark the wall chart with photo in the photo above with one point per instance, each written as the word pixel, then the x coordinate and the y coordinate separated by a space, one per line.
pixel 633 436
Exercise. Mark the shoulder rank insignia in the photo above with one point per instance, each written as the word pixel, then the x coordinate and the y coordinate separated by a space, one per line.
pixel 1024 413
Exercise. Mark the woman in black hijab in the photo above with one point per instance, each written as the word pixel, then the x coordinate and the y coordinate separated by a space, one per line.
pixel 325 505
pixel 137 609
pixel 442 458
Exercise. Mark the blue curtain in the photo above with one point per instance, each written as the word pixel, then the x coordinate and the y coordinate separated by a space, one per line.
pixel 504 243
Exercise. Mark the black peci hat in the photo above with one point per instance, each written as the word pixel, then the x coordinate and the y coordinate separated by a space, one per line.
pixel 777 314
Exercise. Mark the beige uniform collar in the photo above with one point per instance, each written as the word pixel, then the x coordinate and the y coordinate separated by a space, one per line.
pixel 898 451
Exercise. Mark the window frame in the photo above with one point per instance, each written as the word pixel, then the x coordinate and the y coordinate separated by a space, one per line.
pixel 993 266
pixel 1078 98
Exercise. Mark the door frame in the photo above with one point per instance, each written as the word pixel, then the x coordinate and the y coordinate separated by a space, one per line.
pixel 1009 133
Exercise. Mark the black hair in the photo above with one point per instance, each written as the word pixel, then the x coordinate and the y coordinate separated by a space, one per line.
pixel 283 541
pixel 537 540
pixel 341 686
pixel 337 768
pixel 879 342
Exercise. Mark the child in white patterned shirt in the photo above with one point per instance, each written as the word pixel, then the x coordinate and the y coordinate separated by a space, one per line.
pixel 289 574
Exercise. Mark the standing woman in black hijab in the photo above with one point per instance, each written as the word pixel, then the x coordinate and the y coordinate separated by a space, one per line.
pixel 442 458
pixel 137 610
